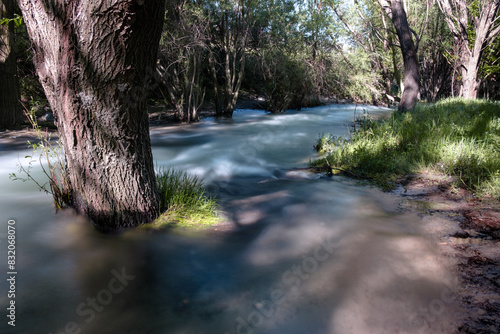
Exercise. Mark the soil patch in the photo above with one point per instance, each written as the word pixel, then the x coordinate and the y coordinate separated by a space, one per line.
pixel 467 231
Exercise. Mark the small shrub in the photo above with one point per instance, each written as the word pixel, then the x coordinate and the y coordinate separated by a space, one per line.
pixel 50 152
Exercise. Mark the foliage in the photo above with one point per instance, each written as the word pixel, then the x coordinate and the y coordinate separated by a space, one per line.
pixel 456 137
pixel 490 71
pixel 436 58
pixel 51 160
pixel 183 201
pixel 30 87
pixel 278 67
pixel 293 52
pixel 17 20
pixel 286 81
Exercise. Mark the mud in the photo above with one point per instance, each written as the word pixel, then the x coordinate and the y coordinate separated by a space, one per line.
pixel 467 231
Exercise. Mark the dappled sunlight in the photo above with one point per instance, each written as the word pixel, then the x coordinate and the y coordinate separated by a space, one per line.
pixel 376 281
pixel 306 253
pixel 283 242
pixel 400 287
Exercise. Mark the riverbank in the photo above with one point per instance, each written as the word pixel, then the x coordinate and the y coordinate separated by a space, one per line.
pixel 467 232
pixel 443 163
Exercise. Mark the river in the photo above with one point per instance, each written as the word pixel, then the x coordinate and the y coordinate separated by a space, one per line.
pixel 308 253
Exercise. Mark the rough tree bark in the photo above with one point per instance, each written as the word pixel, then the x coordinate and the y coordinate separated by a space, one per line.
pixel 395 10
pixel 10 109
pixel 93 58
pixel 486 28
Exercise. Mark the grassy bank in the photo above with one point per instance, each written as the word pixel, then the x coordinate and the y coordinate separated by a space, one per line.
pixel 455 137
pixel 183 202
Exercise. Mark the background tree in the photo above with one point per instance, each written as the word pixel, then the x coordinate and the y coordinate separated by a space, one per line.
pixel 230 22
pixel 182 49
pixel 395 10
pixel 490 71
pixel 320 38
pixel 435 53
pixel 10 108
pixel 374 62
pixel 474 24
pixel 92 58
pixel 278 58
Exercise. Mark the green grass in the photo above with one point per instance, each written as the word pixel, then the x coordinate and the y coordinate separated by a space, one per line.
pixel 183 202
pixel 455 137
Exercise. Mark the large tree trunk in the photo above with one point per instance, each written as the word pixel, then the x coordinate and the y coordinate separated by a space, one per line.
pixel 469 70
pixel 94 59
pixel 10 108
pixel 395 10
pixel 471 57
pixel 486 28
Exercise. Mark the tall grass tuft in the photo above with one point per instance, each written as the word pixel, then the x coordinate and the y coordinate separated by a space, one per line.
pixel 456 137
pixel 183 201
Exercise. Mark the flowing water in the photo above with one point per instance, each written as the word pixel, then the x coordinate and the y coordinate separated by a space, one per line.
pixel 308 254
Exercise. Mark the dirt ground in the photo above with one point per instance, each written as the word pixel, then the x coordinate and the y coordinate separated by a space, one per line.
pixel 467 231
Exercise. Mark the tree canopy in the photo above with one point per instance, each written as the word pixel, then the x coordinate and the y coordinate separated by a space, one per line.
pixel 295 53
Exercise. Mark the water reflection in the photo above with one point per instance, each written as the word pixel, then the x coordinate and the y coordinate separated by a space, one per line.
pixel 309 254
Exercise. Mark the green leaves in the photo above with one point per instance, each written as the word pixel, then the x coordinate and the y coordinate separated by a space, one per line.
pixel 18 20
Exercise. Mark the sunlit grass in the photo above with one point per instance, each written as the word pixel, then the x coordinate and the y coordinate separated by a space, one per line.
pixel 456 137
pixel 184 202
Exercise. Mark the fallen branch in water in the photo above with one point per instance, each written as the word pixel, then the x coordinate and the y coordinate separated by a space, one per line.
pixel 329 171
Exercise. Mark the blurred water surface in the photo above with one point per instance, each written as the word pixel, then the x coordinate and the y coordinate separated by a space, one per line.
pixel 308 253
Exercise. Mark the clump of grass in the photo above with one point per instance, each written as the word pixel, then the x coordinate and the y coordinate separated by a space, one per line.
pixel 456 137
pixel 184 202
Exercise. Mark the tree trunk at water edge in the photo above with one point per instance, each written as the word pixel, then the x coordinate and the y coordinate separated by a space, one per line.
pixel 395 10
pixel 94 59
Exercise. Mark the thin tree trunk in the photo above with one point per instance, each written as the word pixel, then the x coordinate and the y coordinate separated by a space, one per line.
pixel 472 58
pixel 217 95
pixel 92 58
pixel 411 91
pixel 10 108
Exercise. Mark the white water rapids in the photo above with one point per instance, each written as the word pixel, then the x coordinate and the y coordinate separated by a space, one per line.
pixel 309 253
